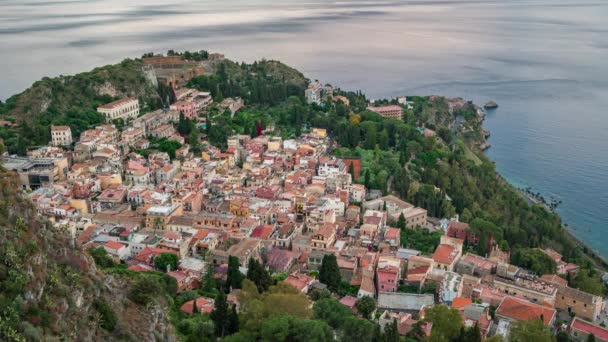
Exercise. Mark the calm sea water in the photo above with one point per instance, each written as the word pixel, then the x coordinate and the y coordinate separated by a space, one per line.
pixel 544 61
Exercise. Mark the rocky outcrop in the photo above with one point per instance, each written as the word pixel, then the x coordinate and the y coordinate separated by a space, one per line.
pixel 51 290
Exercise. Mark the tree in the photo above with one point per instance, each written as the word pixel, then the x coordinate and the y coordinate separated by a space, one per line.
pixel 331 311
pixel 259 275
pixel 357 329
pixel 195 306
pixel 368 180
pixel 169 146
pixel 591 338
pixel 193 140
pixel 366 305
pixel 473 334
pixel 234 278
pixel 329 273
pixel 534 259
pixel 391 332
pixel 144 290
pixel 184 126
pixel 401 223
pixel 220 315
pixel 589 282
pixel 233 321
pixel 166 262
pixel 446 322
pixel 533 330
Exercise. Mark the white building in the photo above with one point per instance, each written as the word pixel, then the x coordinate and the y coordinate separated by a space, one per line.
pixel 61 135
pixel 127 108
pixel 313 93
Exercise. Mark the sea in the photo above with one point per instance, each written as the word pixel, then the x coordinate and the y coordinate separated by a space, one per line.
pixel 545 62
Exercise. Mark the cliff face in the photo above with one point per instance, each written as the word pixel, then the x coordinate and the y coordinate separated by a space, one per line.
pixel 465 119
pixel 50 289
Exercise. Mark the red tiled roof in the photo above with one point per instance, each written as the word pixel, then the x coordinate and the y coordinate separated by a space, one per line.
pixel 348 301
pixel 298 280
pixel 392 233
pixel 590 328
pixel 262 231
pixel 204 305
pixel 523 310
pixel 114 245
pixel 460 302
pixel 443 254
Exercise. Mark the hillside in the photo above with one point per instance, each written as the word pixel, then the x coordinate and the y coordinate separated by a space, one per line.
pixel 52 290
pixel 73 101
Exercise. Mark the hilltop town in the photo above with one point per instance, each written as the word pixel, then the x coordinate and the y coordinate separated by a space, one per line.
pixel 150 191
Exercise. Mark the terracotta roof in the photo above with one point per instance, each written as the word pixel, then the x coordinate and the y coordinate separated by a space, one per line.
pixel 444 254
pixel 299 280
pixel 460 302
pixel 204 305
pixel 114 245
pixel 348 301
pixel 523 310
pixel 392 233
pixel 262 231
pixel 590 328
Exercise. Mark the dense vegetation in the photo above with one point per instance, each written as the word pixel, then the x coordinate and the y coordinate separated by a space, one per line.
pixel 72 101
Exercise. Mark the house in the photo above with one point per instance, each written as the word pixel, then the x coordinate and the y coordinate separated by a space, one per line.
pixel 445 257
pixel 472 264
pixel 281 260
pixel 583 304
pixel 185 281
pixel 515 309
pixel 116 250
pixel 313 93
pixel 461 230
pixel 393 237
pixel 388 274
pixel 61 135
pixel 580 330
pixel 325 236
pixel 203 305
pixel 300 281
pixel 246 249
pixel 349 302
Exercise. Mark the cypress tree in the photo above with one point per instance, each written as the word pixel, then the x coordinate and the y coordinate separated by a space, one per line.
pixel 329 273
pixel 233 321
pixel 234 276
pixel 220 314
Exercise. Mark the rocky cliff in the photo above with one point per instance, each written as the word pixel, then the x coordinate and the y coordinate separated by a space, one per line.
pixel 51 290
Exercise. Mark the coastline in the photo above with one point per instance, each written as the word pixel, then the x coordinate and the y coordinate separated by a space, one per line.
pixel 597 259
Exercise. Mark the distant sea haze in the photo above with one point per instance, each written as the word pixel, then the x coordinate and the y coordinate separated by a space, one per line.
pixel 544 62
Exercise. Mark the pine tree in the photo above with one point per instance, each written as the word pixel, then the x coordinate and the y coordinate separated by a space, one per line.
pixel 368 181
pixel 220 314
pixel 329 273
